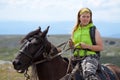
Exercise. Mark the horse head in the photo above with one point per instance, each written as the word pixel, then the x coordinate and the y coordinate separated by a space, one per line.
pixel 33 46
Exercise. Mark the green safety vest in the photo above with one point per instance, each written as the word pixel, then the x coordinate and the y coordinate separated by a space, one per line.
pixel 82 34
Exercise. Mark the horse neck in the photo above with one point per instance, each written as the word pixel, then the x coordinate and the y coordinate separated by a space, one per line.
pixel 50 70
pixel 51 49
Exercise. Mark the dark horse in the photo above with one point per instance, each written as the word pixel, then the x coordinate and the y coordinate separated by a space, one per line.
pixel 39 53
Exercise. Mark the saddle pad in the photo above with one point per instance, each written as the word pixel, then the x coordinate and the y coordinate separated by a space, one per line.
pixel 106 73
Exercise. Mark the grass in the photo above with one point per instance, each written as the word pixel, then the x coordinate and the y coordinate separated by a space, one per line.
pixel 114 60
pixel 8 73
pixel 7 53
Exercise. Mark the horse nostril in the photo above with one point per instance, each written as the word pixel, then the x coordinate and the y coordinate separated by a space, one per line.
pixel 17 63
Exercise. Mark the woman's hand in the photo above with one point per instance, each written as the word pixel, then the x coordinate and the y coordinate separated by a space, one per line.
pixel 85 46
pixel 70 43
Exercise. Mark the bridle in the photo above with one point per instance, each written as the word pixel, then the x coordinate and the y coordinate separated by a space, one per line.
pixel 42 50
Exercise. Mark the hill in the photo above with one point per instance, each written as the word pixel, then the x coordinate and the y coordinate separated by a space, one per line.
pixel 9 45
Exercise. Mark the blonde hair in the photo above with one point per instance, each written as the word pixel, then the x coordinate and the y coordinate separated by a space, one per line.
pixel 80 12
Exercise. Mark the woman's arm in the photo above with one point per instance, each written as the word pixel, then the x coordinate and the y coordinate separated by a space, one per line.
pixel 99 43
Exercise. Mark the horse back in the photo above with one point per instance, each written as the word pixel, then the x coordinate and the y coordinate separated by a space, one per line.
pixel 115 70
pixel 108 72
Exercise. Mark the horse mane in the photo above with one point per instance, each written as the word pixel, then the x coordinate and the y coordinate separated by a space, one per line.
pixel 34 75
pixel 31 34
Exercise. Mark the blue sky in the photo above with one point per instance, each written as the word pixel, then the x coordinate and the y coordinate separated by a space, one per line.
pixel 22 16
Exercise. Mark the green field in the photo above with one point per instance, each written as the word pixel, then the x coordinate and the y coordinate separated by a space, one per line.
pixel 8 73
pixel 9 45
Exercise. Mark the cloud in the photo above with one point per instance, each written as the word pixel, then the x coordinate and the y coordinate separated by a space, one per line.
pixel 58 10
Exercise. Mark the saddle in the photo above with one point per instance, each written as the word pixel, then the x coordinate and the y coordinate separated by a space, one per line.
pixel 103 72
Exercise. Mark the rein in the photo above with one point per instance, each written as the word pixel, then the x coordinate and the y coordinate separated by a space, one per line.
pixel 27 76
pixel 52 57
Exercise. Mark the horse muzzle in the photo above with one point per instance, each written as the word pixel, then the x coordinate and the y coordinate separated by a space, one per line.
pixel 18 66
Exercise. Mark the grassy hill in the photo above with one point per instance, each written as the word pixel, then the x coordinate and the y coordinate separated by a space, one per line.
pixel 9 45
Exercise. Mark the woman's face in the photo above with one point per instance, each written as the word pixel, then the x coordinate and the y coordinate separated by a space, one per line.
pixel 85 19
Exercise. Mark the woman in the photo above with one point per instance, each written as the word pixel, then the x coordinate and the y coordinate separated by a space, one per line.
pixel 83 47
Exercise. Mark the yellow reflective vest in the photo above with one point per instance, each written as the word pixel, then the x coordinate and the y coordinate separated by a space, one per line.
pixel 82 34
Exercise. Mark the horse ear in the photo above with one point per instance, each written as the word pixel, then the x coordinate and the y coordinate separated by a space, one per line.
pixel 39 28
pixel 45 32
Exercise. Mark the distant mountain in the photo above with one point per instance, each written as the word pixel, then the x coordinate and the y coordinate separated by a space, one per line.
pixel 116 36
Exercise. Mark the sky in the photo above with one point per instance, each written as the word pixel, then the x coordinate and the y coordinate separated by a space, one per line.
pixel 22 16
